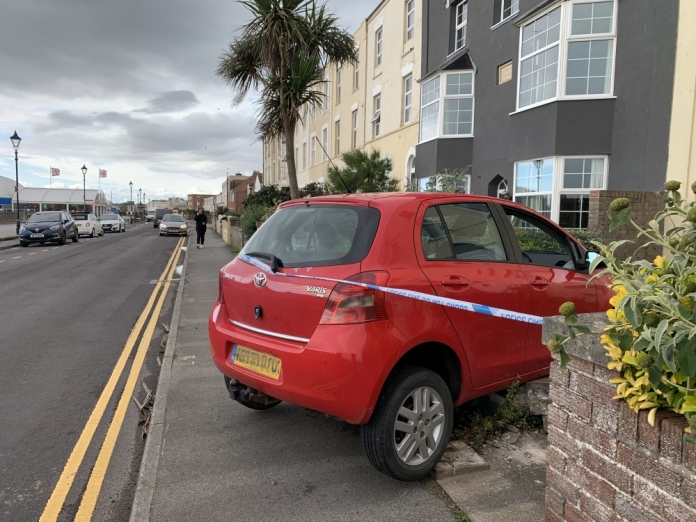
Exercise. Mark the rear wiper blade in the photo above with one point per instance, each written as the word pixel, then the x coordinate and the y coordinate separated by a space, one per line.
pixel 274 261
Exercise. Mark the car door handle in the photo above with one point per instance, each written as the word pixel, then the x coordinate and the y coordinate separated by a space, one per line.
pixel 454 281
pixel 540 282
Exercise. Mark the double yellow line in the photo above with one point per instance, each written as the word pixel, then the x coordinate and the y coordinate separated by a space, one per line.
pixel 89 498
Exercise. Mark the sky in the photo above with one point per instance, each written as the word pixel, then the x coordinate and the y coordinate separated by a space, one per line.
pixel 128 87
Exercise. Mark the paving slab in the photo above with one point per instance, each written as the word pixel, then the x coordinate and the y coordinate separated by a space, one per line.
pixel 512 489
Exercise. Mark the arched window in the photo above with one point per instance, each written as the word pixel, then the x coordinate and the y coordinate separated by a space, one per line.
pixel 410 169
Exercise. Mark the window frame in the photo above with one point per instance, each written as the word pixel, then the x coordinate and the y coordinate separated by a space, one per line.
pixel 513 12
pixel 410 29
pixel 325 91
pixel 408 105
pixel 337 137
pixel 356 73
pixel 557 189
pixel 439 134
pixel 463 25
pixel 355 123
pixel 376 115
pixel 564 40
pixel 339 78
pixel 325 142
pixel 304 155
pixel 313 151
pixel 379 46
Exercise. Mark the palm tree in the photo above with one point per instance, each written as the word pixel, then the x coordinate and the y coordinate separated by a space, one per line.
pixel 363 171
pixel 282 53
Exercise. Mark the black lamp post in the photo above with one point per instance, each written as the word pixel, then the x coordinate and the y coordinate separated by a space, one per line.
pixel 130 184
pixel 140 199
pixel 16 140
pixel 84 188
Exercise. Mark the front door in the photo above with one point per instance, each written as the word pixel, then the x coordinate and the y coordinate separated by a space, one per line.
pixel 549 267
pixel 462 254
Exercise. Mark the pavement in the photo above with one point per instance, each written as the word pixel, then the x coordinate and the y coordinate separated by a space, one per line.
pixel 67 312
pixel 209 458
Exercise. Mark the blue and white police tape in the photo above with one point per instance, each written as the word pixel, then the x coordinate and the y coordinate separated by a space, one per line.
pixel 428 298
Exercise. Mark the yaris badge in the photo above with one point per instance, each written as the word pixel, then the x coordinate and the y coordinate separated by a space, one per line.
pixel 260 280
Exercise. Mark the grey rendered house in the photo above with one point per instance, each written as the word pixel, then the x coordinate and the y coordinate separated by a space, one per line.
pixel 549 101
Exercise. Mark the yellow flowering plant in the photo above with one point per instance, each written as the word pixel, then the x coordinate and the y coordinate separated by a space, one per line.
pixel 651 339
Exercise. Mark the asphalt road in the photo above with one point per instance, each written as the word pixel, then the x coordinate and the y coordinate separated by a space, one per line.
pixel 65 315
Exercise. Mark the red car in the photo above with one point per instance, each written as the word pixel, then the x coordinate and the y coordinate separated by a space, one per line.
pixel 395 363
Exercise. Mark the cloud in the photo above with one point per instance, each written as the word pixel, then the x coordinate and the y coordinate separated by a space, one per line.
pixel 172 101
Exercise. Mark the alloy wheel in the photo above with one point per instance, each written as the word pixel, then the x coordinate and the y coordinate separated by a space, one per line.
pixel 419 426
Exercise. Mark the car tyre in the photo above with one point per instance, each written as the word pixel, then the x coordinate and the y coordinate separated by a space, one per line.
pixel 23 244
pixel 63 239
pixel 76 237
pixel 409 453
pixel 92 234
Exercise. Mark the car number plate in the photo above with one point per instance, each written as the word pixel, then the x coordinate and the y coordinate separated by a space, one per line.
pixel 255 361
pixel 37 235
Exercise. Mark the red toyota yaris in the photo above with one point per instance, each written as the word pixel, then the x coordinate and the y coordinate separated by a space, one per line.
pixel 394 364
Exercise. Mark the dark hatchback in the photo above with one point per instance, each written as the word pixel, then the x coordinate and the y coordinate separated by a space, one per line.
pixel 43 227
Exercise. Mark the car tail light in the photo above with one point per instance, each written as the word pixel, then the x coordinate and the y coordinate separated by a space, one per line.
pixel 87 224
pixel 350 304
pixel 221 295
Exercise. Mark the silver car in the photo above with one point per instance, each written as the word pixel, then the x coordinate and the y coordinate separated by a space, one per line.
pixel 113 223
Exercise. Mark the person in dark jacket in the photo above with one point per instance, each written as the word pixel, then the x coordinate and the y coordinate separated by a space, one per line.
pixel 201 227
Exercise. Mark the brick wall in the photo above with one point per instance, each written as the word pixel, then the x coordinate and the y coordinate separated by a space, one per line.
pixel 644 206
pixel 604 461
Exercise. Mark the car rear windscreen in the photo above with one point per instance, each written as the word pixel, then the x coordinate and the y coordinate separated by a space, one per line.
pixel 80 217
pixel 316 235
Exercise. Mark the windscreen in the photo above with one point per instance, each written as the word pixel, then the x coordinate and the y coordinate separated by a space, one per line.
pixel 319 235
pixel 109 217
pixel 44 217
pixel 173 217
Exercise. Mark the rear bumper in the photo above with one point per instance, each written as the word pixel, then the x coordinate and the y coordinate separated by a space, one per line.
pixel 340 371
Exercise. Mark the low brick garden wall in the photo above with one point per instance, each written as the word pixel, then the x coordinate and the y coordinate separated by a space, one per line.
pixel 605 462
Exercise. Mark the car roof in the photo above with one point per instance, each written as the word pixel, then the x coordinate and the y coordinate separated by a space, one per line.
pixel 376 198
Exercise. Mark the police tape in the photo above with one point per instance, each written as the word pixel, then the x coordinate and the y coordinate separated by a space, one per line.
pixel 428 298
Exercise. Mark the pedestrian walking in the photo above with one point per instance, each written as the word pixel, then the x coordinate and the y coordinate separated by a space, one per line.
pixel 201 227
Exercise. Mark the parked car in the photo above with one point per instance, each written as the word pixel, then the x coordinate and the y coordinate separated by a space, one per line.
pixel 159 214
pixel 44 227
pixel 113 223
pixel 173 225
pixel 88 224
pixel 394 364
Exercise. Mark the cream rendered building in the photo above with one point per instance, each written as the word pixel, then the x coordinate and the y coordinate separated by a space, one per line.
pixel 372 105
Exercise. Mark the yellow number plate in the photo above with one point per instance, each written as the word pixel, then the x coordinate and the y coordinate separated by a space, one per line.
pixel 258 362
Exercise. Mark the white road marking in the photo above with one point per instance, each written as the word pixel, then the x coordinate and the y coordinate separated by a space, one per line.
pixel 55 248
pixel 45 250
pixel 2 260
pixel 32 254
pixel 16 257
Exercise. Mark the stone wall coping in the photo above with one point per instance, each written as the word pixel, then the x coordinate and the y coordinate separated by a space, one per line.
pixel 585 347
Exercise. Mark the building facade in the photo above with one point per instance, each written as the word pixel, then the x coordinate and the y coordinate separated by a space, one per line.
pixel 370 105
pixel 551 100
pixel 196 201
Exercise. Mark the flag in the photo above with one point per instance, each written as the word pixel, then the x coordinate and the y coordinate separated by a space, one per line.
pixel 55 172
pixel 102 173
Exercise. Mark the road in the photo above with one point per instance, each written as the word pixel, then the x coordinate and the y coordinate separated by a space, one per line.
pixel 66 313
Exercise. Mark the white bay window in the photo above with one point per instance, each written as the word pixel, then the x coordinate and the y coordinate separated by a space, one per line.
pixel 568 52
pixel 449 111
pixel 559 187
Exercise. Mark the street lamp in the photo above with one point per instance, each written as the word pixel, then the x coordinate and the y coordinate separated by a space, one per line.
pixel 538 164
pixel 131 199
pixel 84 189
pixel 16 140
pixel 140 199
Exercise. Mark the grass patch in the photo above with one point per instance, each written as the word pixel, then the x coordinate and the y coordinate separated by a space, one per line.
pixel 460 516
pixel 479 425
pixel 233 248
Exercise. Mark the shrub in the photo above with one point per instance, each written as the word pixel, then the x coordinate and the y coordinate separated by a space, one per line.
pixel 251 216
pixel 651 340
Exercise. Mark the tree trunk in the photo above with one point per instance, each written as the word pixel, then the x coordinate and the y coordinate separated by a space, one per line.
pixel 289 127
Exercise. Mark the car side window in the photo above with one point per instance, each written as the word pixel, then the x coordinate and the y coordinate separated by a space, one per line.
pixel 461 231
pixel 473 231
pixel 436 244
pixel 540 245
